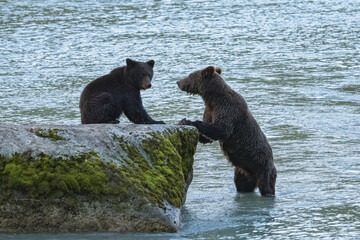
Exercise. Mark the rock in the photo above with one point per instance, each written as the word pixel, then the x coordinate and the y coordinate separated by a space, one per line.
pixel 92 178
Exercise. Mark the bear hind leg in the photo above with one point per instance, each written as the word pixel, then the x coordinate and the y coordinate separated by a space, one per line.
pixel 267 183
pixel 243 181
pixel 101 109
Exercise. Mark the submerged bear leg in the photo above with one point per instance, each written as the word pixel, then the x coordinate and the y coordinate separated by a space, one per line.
pixel 267 183
pixel 243 181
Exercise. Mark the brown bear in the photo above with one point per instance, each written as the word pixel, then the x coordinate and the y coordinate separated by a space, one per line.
pixel 106 98
pixel 228 120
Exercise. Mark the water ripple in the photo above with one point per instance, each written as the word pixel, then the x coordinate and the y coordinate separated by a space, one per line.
pixel 295 62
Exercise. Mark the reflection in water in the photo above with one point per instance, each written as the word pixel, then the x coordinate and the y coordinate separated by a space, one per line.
pixel 295 62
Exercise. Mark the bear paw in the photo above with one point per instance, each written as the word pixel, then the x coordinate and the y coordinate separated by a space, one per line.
pixel 184 121
pixel 160 122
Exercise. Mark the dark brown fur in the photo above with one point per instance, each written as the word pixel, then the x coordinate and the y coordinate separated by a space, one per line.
pixel 106 98
pixel 228 120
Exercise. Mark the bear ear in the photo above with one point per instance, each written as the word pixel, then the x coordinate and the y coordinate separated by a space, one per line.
pixel 151 63
pixel 208 72
pixel 130 62
pixel 218 70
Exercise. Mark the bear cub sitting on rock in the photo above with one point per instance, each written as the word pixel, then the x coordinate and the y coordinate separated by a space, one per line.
pixel 106 98
pixel 228 120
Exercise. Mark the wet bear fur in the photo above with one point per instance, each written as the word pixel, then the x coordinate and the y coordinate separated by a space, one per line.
pixel 106 98
pixel 228 120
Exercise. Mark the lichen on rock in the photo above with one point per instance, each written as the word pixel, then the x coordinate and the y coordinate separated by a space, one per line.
pixel 102 178
pixel 51 134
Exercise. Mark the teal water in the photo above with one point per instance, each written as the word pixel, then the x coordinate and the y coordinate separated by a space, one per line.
pixel 297 63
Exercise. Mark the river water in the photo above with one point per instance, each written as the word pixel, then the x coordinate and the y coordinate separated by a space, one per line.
pixel 297 63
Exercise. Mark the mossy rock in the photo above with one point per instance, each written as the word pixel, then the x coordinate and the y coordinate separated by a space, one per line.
pixel 122 178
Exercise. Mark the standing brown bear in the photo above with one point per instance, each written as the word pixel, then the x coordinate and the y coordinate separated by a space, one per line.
pixel 228 120
pixel 106 98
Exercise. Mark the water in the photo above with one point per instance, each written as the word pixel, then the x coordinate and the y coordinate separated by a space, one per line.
pixel 297 63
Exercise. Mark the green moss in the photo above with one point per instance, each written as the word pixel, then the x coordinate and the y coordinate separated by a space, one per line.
pixel 46 177
pixel 162 172
pixel 156 169
pixel 51 134
pixel 71 202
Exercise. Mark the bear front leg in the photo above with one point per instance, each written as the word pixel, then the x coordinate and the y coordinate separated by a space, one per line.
pixel 207 118
pixel 212 132
pixel 136 113
pixel 203 139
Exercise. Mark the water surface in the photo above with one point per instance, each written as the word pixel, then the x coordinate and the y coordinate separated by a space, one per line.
pixel 297 63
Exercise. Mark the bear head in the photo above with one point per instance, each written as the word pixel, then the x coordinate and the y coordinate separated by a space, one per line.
pixel 202 81
pixel 139 73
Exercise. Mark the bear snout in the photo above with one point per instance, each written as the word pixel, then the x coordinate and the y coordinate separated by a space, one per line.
pixel 146 86
pixel 181 85
pixel 146 83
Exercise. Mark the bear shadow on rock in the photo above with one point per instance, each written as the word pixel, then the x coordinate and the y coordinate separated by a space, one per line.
pixel 228 120
pixel 106 98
